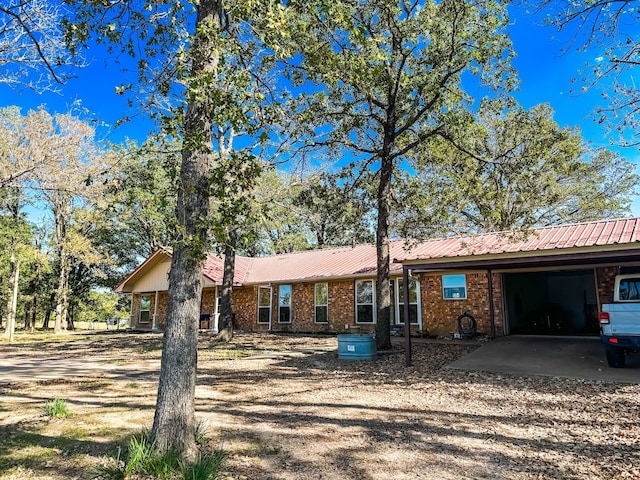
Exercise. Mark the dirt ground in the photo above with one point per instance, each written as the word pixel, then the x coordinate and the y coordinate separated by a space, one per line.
pixel 285 407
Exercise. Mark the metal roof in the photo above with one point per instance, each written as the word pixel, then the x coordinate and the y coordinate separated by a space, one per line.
pixel 360 260
pixel 587 235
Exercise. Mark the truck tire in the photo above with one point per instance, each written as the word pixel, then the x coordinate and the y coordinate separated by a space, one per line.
pixel 615 356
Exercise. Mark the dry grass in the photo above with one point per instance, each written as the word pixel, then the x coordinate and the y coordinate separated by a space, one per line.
pixel 284 407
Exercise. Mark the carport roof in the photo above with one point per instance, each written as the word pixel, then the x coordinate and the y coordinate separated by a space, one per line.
pixel 589 240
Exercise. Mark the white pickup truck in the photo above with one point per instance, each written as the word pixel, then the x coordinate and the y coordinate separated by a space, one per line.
pixel 620 320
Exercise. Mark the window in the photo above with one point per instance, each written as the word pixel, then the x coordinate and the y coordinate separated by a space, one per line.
pixel 454 287
pixel 365 301
pixel 284 304
pixel 264 305
pixel 145 308
pixel 413 301
pixel 322 303
pixel 629 289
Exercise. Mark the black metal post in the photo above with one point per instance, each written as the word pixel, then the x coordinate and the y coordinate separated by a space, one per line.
pixel 407 320
pixel 492 317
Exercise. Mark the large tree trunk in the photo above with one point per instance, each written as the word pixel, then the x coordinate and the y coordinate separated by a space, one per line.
pixel 383 291
pixel 12 305
pixel 174 420
pixel 225 322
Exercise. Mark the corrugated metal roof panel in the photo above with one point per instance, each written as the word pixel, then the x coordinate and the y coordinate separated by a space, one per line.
pixel 588 234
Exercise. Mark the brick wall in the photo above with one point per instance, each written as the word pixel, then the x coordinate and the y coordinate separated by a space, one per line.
pixel 439 316
pixel 163 298
pixel 245 307
pixel 340 308
pixel 605 280
pixel 303 307
pixel 342 305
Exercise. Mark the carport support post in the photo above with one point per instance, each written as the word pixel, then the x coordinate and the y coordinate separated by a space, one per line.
pixel 492 317
pixel 407 320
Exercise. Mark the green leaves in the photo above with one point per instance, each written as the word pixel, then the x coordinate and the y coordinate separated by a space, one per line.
pixel 513 169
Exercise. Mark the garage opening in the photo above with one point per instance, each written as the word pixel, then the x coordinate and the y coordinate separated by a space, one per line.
pixel 551 303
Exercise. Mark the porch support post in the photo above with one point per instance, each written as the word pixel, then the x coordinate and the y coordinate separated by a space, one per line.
pixel 214 321
pixel 407 320
pixel 154 325
pixel 131 316
pixel 492 317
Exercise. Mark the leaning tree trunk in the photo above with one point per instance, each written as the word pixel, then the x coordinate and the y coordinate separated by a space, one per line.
pixel 225 322
pixel 174 420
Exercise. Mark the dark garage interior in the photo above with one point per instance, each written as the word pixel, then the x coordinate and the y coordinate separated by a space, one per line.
pixel 551 303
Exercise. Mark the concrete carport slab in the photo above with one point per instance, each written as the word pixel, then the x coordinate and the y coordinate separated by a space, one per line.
pixel 570 357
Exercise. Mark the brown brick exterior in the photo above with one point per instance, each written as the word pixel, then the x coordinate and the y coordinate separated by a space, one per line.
pixel 439 316
pixel 605 281
pixel 340 308
pixel 245 306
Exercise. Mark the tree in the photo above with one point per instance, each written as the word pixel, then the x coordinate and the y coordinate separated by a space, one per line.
pixel 18 161
pixel 197 80
pixel 513 169
pixel 335 212
pixel 33 53
pixel 138 213
pixel 62 159
pixel 609 26
pixel 390 73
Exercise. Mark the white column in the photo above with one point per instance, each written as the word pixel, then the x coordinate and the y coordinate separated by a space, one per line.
pixel 154 325
pixel 216 311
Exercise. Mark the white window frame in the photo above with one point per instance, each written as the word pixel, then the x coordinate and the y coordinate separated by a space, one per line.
pixel 265 306
pixel 397 306
pixel 466 291
pixel 373 300
pixel 316 304
pixel 148 320
pixel 280 305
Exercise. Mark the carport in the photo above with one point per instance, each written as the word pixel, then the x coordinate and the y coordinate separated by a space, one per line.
pixel 551 302
pixel 552 281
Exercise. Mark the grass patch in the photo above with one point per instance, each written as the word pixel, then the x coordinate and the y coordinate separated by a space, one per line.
pixel 206 467
pixel 74 432
pixel 57 408
pixel 143 459
pixel 229 353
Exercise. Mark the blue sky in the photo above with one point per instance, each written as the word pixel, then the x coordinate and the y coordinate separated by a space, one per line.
pixel 545 72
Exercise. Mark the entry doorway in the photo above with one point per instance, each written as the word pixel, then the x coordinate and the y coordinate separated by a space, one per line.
pixel 551 303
